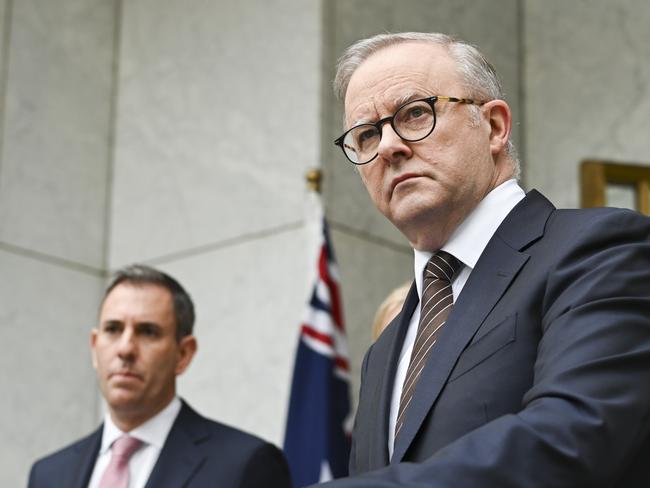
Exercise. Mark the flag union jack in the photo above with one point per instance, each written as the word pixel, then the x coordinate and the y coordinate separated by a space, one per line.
pixel 317 439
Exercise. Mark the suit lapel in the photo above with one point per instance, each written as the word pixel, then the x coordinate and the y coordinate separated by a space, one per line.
pixel 393 340
pixel 180 457
pixel 87 452
pixel 500 262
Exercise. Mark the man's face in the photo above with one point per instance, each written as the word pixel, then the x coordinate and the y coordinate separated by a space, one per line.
pixel 425 188
pixel 135 351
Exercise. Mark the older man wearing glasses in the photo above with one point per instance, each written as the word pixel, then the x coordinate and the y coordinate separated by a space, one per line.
pixel 521 357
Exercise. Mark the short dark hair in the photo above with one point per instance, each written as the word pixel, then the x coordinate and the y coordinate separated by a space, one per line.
pixel 139 274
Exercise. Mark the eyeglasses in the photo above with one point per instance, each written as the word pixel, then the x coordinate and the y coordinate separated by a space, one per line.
pixel 412 122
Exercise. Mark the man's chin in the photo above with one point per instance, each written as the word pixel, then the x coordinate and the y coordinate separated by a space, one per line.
pixel 409 212
pixel 123 399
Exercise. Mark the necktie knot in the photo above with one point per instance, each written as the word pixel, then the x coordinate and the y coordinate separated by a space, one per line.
pixel 117 472
pixel 441 266
pixel 125 446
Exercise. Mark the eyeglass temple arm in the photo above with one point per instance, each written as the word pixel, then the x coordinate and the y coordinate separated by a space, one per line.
pixel 460 100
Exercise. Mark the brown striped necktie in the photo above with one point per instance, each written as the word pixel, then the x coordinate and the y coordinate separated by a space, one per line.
pixel 437 300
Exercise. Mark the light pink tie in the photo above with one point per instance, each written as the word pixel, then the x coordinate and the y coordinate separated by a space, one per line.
pixel 117 472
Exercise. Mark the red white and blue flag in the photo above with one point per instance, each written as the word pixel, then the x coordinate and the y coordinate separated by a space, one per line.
pixel 317 439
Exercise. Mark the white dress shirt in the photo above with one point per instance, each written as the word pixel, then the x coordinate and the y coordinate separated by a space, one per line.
pixel 152 433
pixel 466 244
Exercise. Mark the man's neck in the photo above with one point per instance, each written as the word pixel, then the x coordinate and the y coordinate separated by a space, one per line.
pixel 127 420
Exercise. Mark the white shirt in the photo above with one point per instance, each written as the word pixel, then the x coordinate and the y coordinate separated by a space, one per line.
pixel 466 244
pixel 152 433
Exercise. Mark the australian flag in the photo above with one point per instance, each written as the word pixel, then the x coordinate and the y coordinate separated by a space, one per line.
pixel 317 439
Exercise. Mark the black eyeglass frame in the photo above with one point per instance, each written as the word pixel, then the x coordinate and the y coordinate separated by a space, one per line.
pixel 391 118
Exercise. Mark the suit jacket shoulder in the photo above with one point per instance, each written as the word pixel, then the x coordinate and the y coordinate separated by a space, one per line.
pixel 201 452
pixel 69 467
pixel 541 368
pixel 198 452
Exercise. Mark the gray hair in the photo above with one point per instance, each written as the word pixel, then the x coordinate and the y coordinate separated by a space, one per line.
pixel 139 274
pixel 478 75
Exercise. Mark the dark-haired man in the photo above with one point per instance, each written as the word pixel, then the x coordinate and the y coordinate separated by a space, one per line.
pixel 150 437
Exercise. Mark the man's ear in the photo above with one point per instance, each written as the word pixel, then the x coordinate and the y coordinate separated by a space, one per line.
pixel 186 349
pixel 500 118
pixel 93 342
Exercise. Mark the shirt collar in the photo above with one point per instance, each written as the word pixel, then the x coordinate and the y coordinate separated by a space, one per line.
pixel 153 432
pixel 470 238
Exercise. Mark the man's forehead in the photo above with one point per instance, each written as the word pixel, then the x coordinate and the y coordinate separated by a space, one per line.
pixel 369 108
pixel 143 298
pixel 400 97
pixel 397 74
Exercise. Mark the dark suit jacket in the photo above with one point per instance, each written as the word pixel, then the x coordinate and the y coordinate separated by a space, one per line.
pixel 541 375
pixel 198 452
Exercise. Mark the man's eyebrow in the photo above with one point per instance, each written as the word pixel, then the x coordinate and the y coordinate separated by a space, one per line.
pixel 148 323
pixel 397 102
pixel 407 97
pixel 364 120
pixel 110 322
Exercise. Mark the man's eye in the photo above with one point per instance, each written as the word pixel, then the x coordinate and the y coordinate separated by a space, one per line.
pixel 149 331
pixel 111 328
pixel 415 112
pixel 366 135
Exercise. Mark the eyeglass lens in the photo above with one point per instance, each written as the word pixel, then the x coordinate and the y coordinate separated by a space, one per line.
pixel 412 122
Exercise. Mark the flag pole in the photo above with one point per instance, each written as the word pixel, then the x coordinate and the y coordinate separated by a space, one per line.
pixel 314 211
pixel 317 435
pixel 314 178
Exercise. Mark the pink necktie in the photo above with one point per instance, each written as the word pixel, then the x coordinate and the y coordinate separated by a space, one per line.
pixel 117 472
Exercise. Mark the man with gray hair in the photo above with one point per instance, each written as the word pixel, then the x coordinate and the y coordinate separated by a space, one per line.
pixel 521 357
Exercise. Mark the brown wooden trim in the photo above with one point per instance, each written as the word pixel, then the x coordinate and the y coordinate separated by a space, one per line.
pixel 595 175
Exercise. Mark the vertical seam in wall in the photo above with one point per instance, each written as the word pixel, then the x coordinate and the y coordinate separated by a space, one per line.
pixel 327 11
pixel 521 95
pixel 324 49
pixel 110 154
pixel 112 131
pixel 4 75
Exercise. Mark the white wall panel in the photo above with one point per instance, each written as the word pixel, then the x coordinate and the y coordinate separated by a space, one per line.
pixel 56 128
pixel 587 89
pixel 217 122
pixel 47 381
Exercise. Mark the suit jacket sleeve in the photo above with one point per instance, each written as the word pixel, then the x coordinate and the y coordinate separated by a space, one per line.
pixel 586 417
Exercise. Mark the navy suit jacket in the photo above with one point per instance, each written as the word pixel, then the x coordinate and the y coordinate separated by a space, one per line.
pixel 541 375
pixel 198 453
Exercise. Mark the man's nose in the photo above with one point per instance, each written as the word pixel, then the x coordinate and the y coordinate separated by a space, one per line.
pixel 392 147
pixel 127 345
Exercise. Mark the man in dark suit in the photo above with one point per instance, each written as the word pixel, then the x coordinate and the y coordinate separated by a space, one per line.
pixel 531 364
pixel 150 437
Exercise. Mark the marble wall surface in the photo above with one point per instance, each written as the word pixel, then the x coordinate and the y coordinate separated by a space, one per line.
pixel 217 121
pixel 56 81
pixel 46 313
pixel 58 94
pixel 587 89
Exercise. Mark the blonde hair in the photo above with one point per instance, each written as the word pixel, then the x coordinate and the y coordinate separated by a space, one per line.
pixel 389 308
